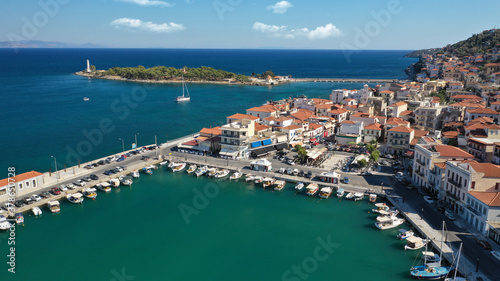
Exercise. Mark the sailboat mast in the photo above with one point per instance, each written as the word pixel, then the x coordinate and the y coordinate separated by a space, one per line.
pixel 458 260
pixel 442 237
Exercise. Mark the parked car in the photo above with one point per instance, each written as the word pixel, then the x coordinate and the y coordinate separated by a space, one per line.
pixel 101 162
pixel 55 191
pixel 108 172
pixel 19 203
pixel 483 244
pixel 301 173
pixel 346 180
pixel 88 166
pixel 94 177
pixel 28 200
pixel 429 200
pixel 309 175
pixel 79 183
pixel 449 214
pixel 87 179
pixel 70 186
pixel 45 194
pixel 290 162
pixel 63 187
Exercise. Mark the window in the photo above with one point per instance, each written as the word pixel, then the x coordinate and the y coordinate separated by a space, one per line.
pixel 20 186
pixel 27 184
pixel 3 191
pixel 34 183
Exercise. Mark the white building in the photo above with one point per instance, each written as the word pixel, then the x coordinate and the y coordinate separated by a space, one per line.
pixel 483 210
pixel 21 184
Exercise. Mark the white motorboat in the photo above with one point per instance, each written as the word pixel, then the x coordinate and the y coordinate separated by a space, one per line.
pixel 386 216
pixel 164 163
pixel 36 211
pixel 299 186
pixel 54 206
pixel 340 192
pixel 191 169
pixel 279 184
pixel 258 179
pixel 19 219
pixel 404 234
pixel 178 167
pixel 415 243
pixel 431 257
pixel 152 167
pixel 350 196
pixel 249 177
pixel 90 193
pixel 76 198
pixel 185 93
pixel 86 99
pixel 201 171
pixel 373 198
pixel 126 181
pixel 325 192
pixel 235 176
pixel 380 207
pixel 389 223
pixel 311 189
pixel 114 182
pixel 135 174
pixel 4 223
pixel 221 174
pixel 104 186
pixel 267 182
pixel 358 196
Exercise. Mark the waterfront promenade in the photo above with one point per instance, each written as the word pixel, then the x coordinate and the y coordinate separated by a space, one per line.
pixel 345 80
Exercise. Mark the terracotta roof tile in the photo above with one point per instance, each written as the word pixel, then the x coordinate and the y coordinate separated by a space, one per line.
pixel 401 129
pixel 449 151
pixel 491 199
pixel 240 116
pixel 20 177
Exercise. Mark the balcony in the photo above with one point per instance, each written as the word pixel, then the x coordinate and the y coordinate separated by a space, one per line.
pixel 452 195
pixel 420 162
pixel 419 173
pixel 476 212
pixel 455 183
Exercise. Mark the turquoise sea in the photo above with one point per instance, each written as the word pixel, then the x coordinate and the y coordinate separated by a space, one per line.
pixel 234 231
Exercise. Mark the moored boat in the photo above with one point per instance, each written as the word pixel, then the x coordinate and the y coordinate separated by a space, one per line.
pixel 104 186
pixel 358 196
pixel 114 182
pixel 249 177
pixel 54 206
pixel 391 223
pixel 19 219
pixel 404 234
pixel 90 192
pixel 200 171
pixel 340 192
pixel 36 211
pixel 164 163
pixel 380 207
pixel 258 179
pixel 299 186
pixel 279 184
pixel 431 257
pixel 135 174
pixel 235 176
pixel 311 189
pixel 191 169
pixel 373 198
pixel 325 192
pixel 415 243
pixel 349 196
pixel 127 181
pixel 76 198
pixel 147 171
pixel 221 174
pixel 4 223
pixel 152 167
pixel 267 182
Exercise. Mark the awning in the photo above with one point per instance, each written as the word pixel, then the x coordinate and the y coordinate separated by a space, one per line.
pixel 186 146
pixel 281 146
pixel 203 147
pixel 256 144
pixel 259 152
pixel 266 142
pixel 228 152
pixel 409 153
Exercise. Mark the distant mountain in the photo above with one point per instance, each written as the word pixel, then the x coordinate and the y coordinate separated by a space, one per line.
pixel 481 43
pixel 44 44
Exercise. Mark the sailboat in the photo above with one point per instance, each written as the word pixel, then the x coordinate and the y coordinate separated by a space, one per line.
pixel 455 278
pixel 185 91
pixel 431 271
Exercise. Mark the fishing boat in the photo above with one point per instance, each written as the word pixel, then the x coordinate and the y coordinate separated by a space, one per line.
pixel 185 93
pixel 90 192
pixel 201 171
pixel 127 181
pixel 373 198
pixel 311 189
pixel 104 186
pixel 267 182
pixel 19 219
pixel 279 185
pixel 221 174
pixel 455 278
pixel 152 167
pixel 36 211
pixel 325 192
pixel 54 206
pixel 135 174
pixel 147 171
pixel 415 243
pixel 350 196
pixel 358 196
pixel 114 183
pixel 431 270
pixel 390 223
pixel 340 192
pixel 164 163
pixel 431 257
pixel 387 216
pixel 299 186
pixel 404 234
pixel 4 223
pixel 179 167
pixel 211 172
pixel 249 177
pixel 76 198
pixel 191 169
pixel 380 207
pixel 235 176
pixel 258 179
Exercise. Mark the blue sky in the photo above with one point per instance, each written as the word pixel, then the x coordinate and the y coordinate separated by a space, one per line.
pixel 298 24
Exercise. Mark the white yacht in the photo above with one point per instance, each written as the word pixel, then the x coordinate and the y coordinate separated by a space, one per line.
pixel 185 93
pixel 358 196
pixel 54 206
pixel 76 198
pixel 299 186
pixel 104 186
pixel 380 207
pixel 4 223
pixel 135 174
pixel 90 193
pixel 235 176
pixel 340 192
pixel 127 181
pixel 415 243
pixel 221 174
pixel 391 223
pixel 249 177
pixel 177 167
pixel 114 182
pixel 191 169
pixel 36 211
pixel 404 234
pixel 201 171
pixel 350 196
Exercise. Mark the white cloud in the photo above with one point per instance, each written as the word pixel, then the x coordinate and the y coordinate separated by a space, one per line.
pixel 280 7
pixel 148 3
pixel 321 32
pixel 147 25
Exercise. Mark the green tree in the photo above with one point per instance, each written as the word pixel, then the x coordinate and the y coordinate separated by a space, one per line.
pixel 301 151
pixel 92 68
pixel 363 163
pixel 453 142
pixel 375 155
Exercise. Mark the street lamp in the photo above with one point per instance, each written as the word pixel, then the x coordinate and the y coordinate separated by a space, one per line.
pixel 123 144
pixel 55 166
pixel 136 140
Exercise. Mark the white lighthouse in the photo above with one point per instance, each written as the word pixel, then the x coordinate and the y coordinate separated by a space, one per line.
pixel 88 66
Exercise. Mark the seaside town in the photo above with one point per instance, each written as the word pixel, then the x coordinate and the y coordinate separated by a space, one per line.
pixel 435 136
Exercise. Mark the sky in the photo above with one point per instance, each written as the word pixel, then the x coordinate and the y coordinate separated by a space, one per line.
pixel 247 24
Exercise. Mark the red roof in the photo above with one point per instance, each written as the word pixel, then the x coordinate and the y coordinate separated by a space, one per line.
pixel 449 151
pixel 375 126
pixel 20 177
pixel 401 129
pixel 240 116
pixel 489 198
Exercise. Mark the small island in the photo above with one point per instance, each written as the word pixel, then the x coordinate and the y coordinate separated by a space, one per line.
pixel 163 74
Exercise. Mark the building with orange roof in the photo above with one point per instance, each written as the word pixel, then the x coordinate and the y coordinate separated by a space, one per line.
pixel 340 114
pixel 399 139
pixel 483 213
pixel 267 110
pixel 281 121
pixel 364 118
pixel 210 132
pixel 21 184
pixel 483 147
pixel 496 153
pixel 322 109
pixel 372 132
pixel 426 118
pixel 387 95
pixel 239 116
pixel 472 114
pixel 395 109
pixel 459 98
pixel 426 156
